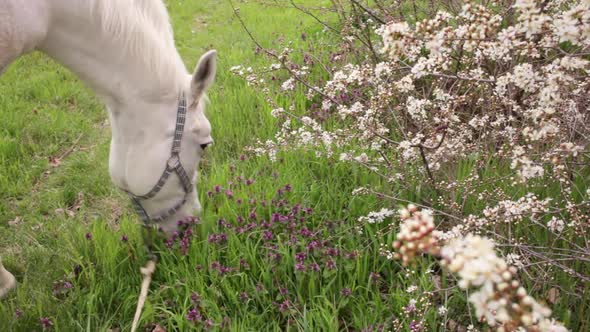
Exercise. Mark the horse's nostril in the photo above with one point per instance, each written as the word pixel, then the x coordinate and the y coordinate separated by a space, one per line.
pixel 204 146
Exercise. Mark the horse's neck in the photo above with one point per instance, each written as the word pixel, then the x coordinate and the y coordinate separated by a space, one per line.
pixel 141 101
pixel 77 41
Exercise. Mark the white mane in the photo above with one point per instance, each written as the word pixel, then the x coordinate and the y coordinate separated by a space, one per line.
pixel 142 29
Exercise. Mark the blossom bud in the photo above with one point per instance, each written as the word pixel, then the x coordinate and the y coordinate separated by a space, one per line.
pixel 527 300
pixel 526 319
pixel 456 264
pixel 463 284
pixel 404 214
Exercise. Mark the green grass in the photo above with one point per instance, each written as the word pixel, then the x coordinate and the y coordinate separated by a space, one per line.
pixel 46 111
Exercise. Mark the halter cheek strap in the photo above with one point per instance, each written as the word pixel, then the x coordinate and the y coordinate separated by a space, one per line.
pixel 173 165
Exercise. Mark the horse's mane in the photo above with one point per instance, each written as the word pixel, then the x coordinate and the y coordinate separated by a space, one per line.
pixel 142 29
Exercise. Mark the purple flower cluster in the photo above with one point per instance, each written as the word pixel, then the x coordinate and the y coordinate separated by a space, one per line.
pixel 287 235
pixel 46 323
pixel 194 315
pixel 182 238
pixel 276 222
pixel 221 269
pixel 220 238
pixel 18 313
pixel 61 288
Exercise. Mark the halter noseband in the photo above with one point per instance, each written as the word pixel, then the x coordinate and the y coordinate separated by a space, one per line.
pixel 172 165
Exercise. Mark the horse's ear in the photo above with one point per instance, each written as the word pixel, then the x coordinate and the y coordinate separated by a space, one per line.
pixel 204 74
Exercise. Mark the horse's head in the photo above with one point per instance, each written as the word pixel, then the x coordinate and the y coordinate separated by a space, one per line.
pixel 157 147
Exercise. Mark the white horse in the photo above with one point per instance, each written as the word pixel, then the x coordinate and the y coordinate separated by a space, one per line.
pixel 124 50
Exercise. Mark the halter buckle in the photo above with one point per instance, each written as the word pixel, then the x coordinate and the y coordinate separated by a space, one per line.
pixel 173 162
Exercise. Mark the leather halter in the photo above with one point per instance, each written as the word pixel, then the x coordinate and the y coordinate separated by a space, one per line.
pixel 172 165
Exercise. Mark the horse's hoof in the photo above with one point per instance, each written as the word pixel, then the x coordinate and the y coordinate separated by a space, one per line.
pixel 7 282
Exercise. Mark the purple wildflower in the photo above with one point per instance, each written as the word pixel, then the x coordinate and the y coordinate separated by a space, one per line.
pixel 331 251
pixel 225 322
pixel 89 236
pixel 352 255
pixel 306 232
pixel 215 265
pixel 244 265
pixel 300 257
pixel 217 238
pixel 410 308
pixel 313 245
pixel 283 291
pixel 222 223
pixel 229 194
pixel 267 235
pixel 299 267
pixel 46 323
pixel 195 298
pixel 330 264
pixel 124 238
pixel 186 241
pixel 285 305
pixel 274 256
pixel 415 326
pixel 244 296
pixel 194 315
pixel 314 267
pixel 374 277
pixel 18 313
pixel 346 292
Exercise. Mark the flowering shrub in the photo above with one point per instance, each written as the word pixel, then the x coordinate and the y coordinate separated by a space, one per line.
pixel 499 298
pixel 478 110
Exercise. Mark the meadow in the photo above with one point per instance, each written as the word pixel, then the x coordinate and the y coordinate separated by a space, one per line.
pixel 280 244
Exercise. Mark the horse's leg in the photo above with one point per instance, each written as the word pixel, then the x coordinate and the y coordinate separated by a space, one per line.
pixel 7 281
pixel 17 39
pixel 23 26
pixel 7 55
